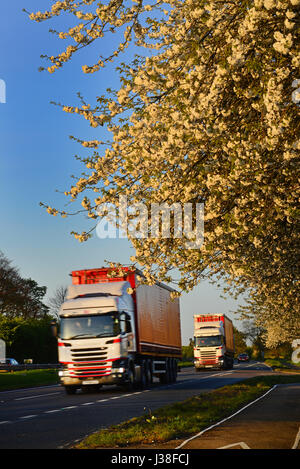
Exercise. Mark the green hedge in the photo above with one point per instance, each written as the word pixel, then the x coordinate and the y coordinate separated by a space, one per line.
pixel 29 338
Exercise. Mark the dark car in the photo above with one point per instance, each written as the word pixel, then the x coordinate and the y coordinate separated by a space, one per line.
pixel 243 357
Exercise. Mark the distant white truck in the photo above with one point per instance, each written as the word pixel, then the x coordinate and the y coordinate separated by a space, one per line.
pixel 213 341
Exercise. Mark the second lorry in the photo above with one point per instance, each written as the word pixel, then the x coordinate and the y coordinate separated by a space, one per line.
pixel 213 341
pixel 116 330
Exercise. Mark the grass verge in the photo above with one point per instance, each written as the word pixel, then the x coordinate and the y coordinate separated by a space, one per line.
pixel 27 379
pixel 183 419
pixel 280 364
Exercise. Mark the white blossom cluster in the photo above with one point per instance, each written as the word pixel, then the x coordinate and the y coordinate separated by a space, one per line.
pixel 205 115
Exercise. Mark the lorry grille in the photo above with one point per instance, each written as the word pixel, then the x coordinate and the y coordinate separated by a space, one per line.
pixel 89 362
pixel 89 353
pixel 208 355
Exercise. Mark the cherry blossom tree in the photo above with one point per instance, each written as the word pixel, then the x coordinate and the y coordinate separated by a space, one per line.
pixel 207 112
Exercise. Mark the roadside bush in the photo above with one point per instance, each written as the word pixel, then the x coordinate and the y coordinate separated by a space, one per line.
pixel 29 338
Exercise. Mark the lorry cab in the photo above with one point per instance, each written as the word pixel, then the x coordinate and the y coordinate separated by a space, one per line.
pixel 96 332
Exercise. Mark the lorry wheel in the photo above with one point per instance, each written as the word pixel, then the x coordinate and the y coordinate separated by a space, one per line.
pixel 171 371
pixel 129 385
pixel 143 381
pixel 146 373
pixel 70 389
pixel 174 371
pixel 131 380
pixel 166 377
pixel 163 379
pixel 149 373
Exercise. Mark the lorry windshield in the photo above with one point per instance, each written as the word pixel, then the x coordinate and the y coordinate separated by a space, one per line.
pixel 209 341
pixel 81 327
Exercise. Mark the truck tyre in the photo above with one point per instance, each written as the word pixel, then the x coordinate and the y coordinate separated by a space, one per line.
pixel 172 371
pixel 165 378
pixel 131 379
pixel 129 385
pixel 143 381
pixel 70 389
pixel 146 373
pixel 149 373
pixel 175 370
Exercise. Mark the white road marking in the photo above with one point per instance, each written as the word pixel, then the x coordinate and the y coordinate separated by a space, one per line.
pixel 33 397
pixel 28 417
pixel 94 402
pixel 240 443
pixel 297 440
pixel 28 389
pixel 226 373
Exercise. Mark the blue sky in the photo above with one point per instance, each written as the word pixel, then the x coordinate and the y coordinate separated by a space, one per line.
pixel 37 159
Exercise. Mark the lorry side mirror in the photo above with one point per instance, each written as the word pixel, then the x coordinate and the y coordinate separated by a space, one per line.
pixel 128 325
pixel 53 327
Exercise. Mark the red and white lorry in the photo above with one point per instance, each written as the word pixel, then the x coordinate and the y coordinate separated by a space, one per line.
pixel 116 330
pixel 213 341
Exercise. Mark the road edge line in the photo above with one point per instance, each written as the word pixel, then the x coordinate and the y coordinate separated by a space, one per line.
pixel 297 440
pixel 224 420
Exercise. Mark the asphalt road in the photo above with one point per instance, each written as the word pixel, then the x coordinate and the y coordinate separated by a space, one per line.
pixel 47 418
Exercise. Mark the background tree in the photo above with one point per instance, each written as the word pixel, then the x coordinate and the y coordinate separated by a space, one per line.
pixel 29 338
pixel 188 351
pixel 9 285
pixel 19 297
pixel 58 298
pixel 8 329
pixel 255 335
pixel 240 344
pixel 206 113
